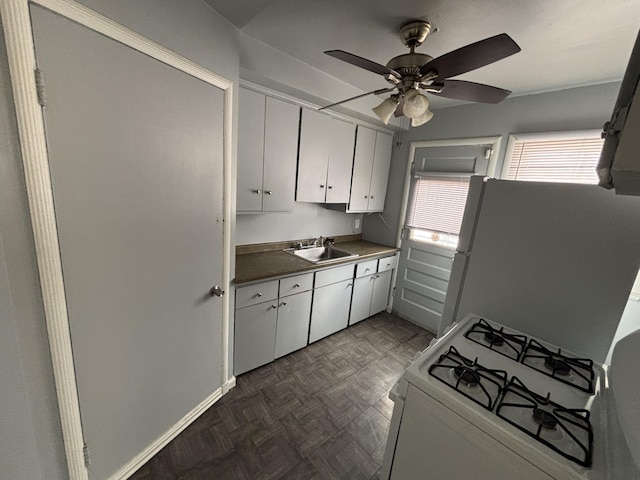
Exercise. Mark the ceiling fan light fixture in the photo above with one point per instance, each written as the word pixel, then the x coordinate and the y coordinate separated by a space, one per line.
pixel 415 104
pixel 386 109
pixel 422 119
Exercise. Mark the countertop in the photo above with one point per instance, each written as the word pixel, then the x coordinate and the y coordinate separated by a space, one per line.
pixel 276 263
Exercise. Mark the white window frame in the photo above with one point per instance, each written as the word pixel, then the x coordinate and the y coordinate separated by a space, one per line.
pixel 564 135
pixel 491 170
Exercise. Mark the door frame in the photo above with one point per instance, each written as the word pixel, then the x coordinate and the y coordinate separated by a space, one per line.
pixel 491 171
pixel 22 64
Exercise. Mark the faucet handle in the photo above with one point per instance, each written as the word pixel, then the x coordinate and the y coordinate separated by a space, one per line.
pixel 329 241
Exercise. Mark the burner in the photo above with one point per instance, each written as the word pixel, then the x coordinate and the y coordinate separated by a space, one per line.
pixel 565 368
pixel 510 345
pixel 567 431
pixel 467 376
pixel 545 419
pixel 557 365
pixel 479 384
pixel 494 338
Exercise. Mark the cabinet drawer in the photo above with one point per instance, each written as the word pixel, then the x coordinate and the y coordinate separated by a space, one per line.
pixel 387 263
pixel 253 294
pixel 333 275
pixel 297 284
pixel 366 268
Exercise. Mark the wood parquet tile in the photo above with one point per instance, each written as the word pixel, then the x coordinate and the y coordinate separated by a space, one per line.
pixel 322 412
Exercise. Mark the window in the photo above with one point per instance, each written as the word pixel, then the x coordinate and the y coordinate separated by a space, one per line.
pixel 436 207
pixel 568 157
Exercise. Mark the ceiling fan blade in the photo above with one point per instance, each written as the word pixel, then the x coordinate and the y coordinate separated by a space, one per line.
pixel 362 62
pixel 474 92
pixel 375 92
pixel 472 56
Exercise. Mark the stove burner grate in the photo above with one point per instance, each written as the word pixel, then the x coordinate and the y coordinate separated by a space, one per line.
pixel 577 372
pixel 508 344
pixel 479 384
pixel 566 431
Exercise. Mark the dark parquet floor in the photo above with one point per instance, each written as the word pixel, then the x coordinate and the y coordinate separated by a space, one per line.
pixel 322 412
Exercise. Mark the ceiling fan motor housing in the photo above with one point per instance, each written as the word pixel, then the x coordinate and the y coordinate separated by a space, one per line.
pixel 413 33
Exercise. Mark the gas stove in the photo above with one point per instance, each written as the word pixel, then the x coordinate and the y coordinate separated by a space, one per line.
pixel 545 408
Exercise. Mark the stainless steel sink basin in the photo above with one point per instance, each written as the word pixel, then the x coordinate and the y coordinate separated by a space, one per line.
pixel 320 254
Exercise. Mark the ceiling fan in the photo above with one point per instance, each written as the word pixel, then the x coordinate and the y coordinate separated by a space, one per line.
pixel 411 72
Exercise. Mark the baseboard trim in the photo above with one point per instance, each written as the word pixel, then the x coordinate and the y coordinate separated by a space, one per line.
pixel 143 457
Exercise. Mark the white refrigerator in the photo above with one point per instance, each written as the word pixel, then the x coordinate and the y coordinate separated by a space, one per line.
pixel 556 261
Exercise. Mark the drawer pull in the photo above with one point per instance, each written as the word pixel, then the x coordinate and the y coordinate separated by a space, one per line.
pixel 297 285
pixel 273 305
pixel 259 294
pixel 268 192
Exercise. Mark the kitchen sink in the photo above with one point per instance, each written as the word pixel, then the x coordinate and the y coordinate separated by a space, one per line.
pixel 320 254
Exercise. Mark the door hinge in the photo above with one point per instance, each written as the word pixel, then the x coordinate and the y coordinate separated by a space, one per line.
pixel 42 96
pixel 87 454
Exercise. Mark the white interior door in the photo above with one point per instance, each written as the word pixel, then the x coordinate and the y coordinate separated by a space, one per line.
pixel 424 268
pixel 136 157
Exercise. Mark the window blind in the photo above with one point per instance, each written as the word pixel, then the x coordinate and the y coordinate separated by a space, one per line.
pixel 437 203
pixel 571 160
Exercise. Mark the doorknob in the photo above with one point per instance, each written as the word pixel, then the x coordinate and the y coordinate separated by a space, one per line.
pixel 216 291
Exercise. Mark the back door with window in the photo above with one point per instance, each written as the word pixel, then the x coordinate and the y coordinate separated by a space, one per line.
pixel 436 204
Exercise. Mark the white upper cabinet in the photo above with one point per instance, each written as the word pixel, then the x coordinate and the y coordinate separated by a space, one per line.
pixel 325 159
pixel 267 150
pixel 370 170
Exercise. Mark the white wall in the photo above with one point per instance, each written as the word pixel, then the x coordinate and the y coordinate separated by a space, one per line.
pixel 23 320
pixel 572 109
pixel 308 220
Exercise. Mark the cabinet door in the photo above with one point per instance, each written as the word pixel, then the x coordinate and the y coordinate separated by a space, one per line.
pixel 361 301
pixel 280 155
pixel 292 330
pixel 250 150
pixel 255 336
pixel 380 174
pixel 315 130
pixel 362 168
pixel 330 310
pixel 380 296
pixel 341 144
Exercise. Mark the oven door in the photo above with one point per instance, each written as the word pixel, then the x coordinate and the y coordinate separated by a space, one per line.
pixel 436 443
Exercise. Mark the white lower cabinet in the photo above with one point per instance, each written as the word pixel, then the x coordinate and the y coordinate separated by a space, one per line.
pixel 380 297
pixel 255 336
pixel 275 327
pixel 330 311
pixel 292 329
pixel 371 290
pixel 331 301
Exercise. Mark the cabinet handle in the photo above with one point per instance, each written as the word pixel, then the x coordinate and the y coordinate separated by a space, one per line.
pixel 366 196
pixel 258 294
pixel 297 285
pixel 268 192
pixel 373 277
pixel 257 192
pixel 330 187
pixel 372 197
pixel 283 304
pixel 349 284
pixel 367 269
pixel 273 305
pixel 388 264
pixel 321 186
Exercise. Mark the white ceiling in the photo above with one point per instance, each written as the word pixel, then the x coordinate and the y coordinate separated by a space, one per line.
pixel 565 43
